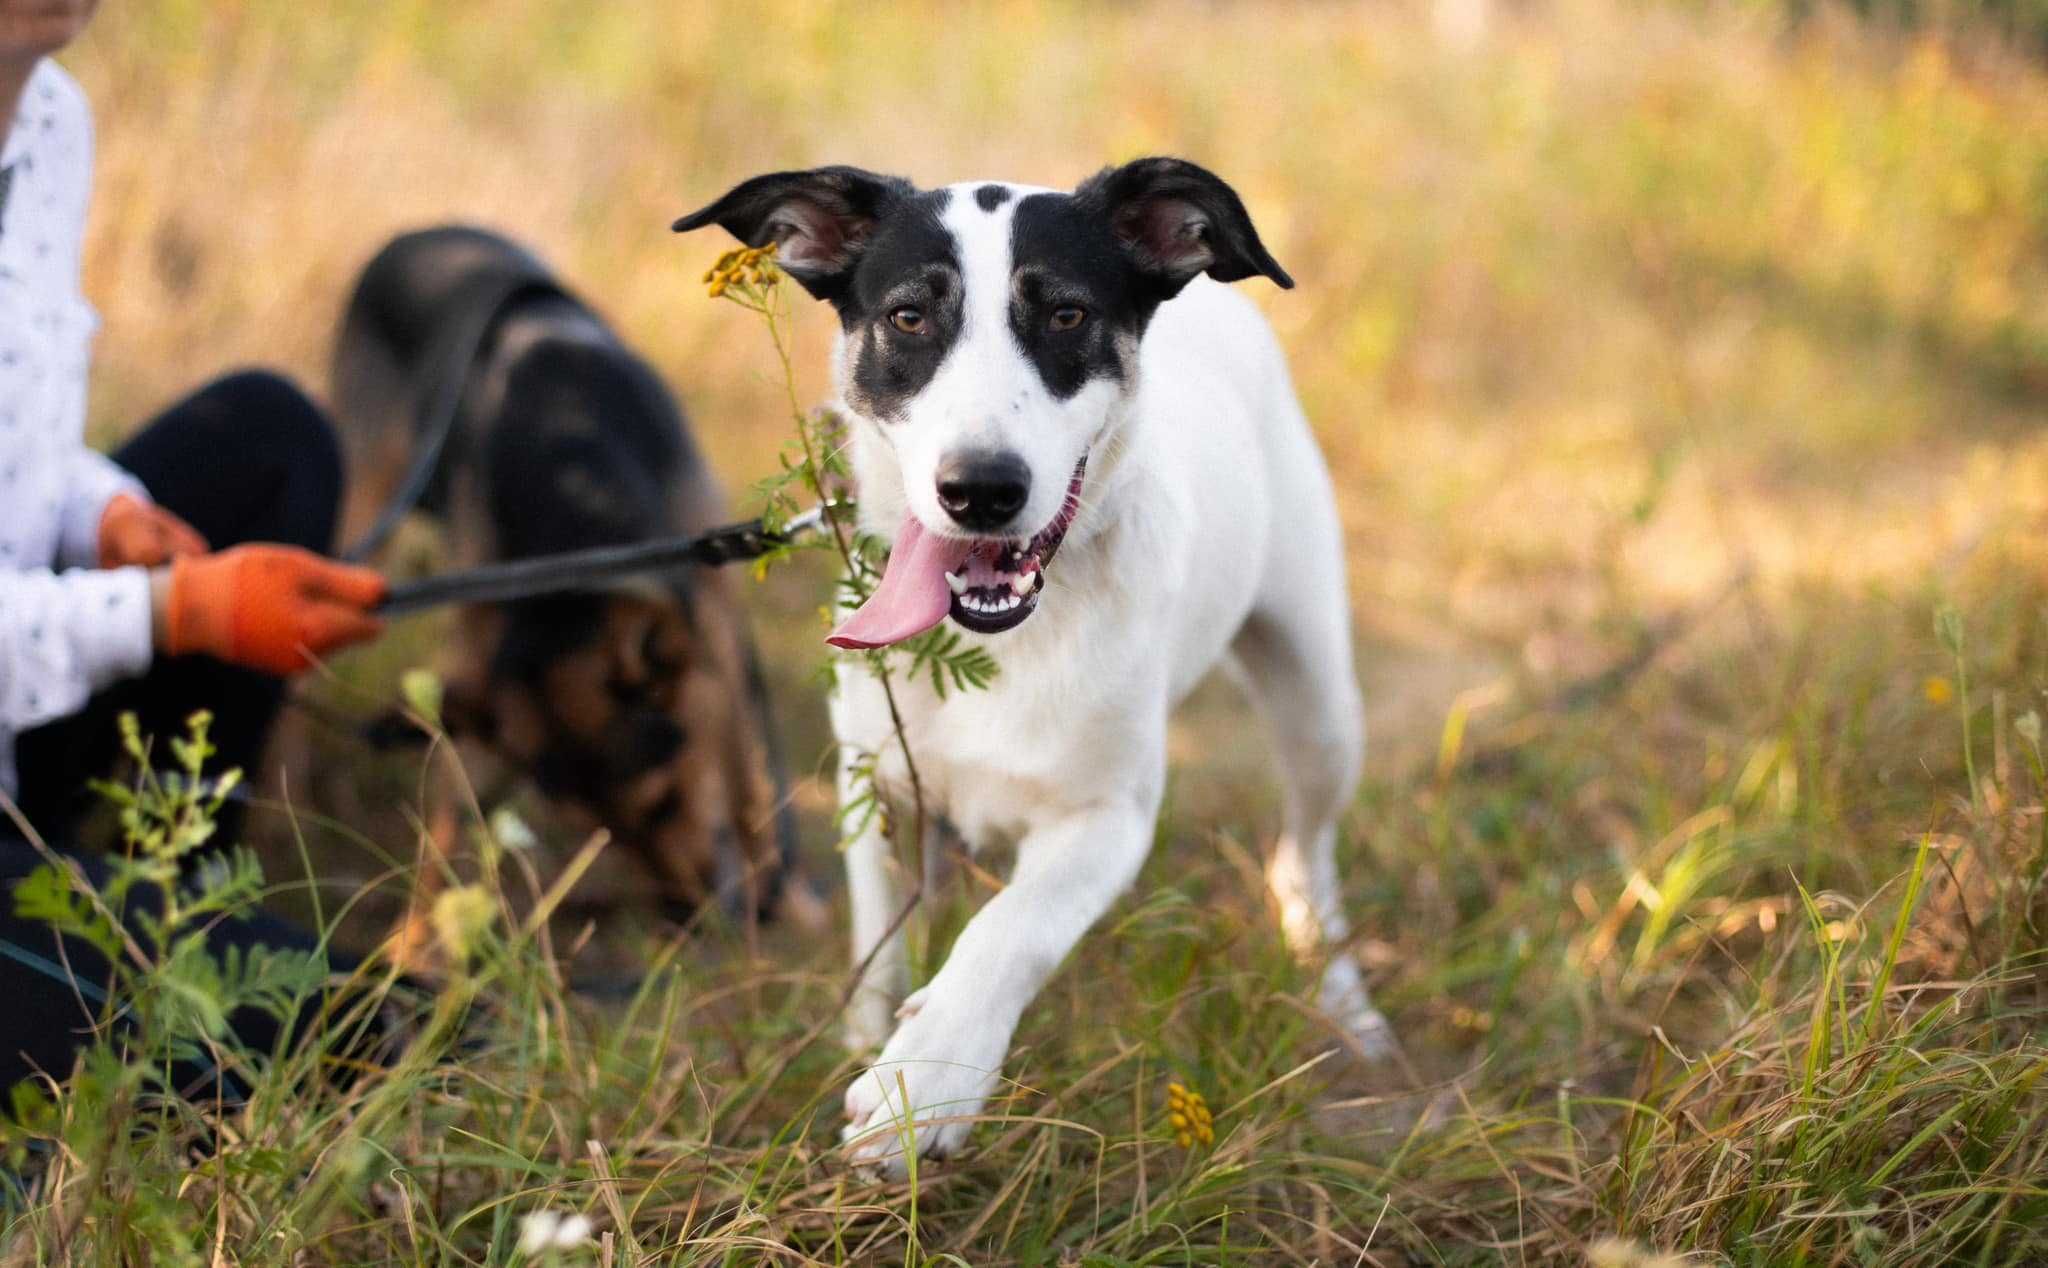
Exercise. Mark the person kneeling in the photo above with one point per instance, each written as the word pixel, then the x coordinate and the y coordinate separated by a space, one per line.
pixel 183 573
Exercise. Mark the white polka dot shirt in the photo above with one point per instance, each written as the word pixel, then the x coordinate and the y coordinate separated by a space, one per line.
pixel 65 631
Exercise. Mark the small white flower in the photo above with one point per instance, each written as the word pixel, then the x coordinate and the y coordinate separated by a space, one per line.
pixel 574 1230
pixel 537 1231
pixel 512 831
pixel 549 1230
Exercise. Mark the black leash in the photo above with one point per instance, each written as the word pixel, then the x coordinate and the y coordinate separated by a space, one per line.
pixel 585 570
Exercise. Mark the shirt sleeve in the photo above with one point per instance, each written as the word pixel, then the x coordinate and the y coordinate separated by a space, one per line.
pixel 63 636
pixel 91 479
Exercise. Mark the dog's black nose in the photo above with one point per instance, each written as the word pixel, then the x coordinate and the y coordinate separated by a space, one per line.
pixel 983 491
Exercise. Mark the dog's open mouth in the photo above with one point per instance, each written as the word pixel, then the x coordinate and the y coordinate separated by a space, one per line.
pixel 997 585
pixel 987 585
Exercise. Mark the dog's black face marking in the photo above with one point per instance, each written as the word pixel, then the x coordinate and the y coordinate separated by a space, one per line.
pixel 990 197
pixel 903 308
pixel 1077 307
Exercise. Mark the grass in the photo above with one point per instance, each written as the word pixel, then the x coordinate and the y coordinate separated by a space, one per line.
pixel 1681 370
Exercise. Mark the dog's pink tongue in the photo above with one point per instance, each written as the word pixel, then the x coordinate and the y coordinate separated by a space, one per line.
pixel 913 595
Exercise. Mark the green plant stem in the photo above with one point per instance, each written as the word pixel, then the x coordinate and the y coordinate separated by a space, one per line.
pixel 814 475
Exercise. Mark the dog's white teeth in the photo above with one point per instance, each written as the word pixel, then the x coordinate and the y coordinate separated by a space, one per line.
pixel 956 583
pixel 1023 583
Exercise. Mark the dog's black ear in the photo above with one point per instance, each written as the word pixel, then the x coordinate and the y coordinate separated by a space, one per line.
pixel 1175 220
pixel 820 219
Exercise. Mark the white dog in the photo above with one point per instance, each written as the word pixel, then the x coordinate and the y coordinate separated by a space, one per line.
pixel 1029 371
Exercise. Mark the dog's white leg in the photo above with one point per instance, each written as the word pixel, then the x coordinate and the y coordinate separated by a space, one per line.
pixel 1297 665
pixel 876 900
pixel 948 1054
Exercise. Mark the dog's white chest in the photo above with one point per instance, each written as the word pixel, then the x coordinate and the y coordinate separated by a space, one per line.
pixel 1059 729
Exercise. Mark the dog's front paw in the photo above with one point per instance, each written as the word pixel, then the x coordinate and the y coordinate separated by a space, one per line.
pixel 1344 1001
pixel 920 1096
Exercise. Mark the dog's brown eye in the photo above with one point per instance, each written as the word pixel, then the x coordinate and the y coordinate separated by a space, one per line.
pixel 908 320
pixel 1068 316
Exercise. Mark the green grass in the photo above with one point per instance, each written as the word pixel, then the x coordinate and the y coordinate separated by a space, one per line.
pixel 1678 367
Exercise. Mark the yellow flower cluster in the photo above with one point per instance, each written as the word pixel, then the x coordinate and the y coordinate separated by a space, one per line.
pixel 743 266
pixel 1188 1114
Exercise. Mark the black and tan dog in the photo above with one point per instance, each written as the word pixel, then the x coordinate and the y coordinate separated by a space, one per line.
pixel 640 710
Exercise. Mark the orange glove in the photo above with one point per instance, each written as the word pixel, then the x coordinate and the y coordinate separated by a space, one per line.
pixel 272 608
pixel 135 532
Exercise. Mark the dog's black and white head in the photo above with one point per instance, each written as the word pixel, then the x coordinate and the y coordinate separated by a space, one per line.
pixel 990 337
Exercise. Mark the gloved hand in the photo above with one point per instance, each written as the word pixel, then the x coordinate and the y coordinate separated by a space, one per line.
pixel 272 608
pixel 134 532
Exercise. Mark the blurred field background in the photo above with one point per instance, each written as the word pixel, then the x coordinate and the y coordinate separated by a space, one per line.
pixel 1677 364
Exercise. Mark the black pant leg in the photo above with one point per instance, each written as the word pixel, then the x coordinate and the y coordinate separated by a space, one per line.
pixel 247 458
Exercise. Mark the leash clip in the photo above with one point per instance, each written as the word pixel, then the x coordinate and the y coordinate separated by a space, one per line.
pixel 812 520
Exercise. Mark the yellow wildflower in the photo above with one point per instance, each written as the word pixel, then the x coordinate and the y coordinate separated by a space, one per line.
pixel 747 271
pixel 1938 690
pixel 1189 1117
